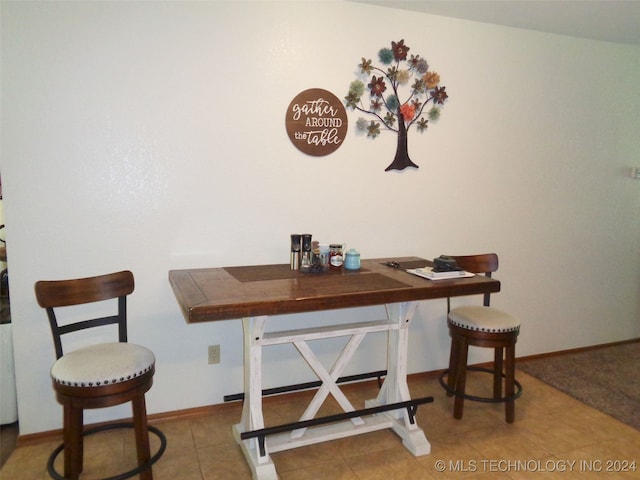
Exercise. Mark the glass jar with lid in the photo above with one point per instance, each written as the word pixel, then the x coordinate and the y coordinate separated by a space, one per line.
pixel 352 260
pixel 335 256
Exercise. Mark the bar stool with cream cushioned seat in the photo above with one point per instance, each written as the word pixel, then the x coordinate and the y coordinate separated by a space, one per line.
pixel 482 326
pixel 99 375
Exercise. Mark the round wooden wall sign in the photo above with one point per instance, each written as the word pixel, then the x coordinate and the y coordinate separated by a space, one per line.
pixel 316 122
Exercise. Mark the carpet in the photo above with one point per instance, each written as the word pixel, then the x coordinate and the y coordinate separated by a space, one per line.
pixel 605 378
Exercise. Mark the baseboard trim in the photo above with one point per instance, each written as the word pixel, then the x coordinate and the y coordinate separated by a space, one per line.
pixel 197 412
pixel 577 350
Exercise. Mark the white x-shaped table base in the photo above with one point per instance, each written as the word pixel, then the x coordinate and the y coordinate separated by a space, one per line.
pixel 394 388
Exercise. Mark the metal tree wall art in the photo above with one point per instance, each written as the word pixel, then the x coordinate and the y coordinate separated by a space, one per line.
pixel 400 106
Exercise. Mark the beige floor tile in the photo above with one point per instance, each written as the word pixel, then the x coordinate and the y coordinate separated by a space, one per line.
pixel 334 470
pixel 625 444
pixel 498 444
pixel 539 399
pixel 397 464
pixel 180 459
pixel 553 434
pixel 368 443
pixel 597 426
pixel 491 476
pixel 214 430
pixel 223 462
pixel 548 468
pixel 130 450
pixel 600 460
pixel 178 433
pixel 453 458
pixel 305 457
pixel 551 429
pixel 28 462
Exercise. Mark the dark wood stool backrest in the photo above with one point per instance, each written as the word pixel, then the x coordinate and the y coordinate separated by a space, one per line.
pixel 485 263
pixel 52 294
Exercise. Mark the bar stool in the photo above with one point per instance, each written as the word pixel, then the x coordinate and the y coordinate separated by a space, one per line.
pixel 99 375
pixel 482 326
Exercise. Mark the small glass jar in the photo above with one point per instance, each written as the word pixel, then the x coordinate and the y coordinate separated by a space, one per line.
pixel 324 257
pixel 335 256
pixel 352 260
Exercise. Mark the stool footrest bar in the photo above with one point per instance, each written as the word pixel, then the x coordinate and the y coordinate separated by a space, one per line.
pixel 475 398
pixel 122 476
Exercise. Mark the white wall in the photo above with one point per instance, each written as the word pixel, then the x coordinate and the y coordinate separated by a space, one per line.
pixel 151 136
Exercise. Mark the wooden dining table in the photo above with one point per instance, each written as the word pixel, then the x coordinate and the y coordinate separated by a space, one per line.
pixel 254 293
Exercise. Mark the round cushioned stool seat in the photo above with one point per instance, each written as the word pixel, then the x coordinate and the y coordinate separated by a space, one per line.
pixel 102 364
pixel 483 319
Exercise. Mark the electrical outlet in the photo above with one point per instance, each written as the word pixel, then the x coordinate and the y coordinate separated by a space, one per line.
pixel 214 354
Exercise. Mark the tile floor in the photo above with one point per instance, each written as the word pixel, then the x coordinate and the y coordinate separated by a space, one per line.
pixel 553 436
